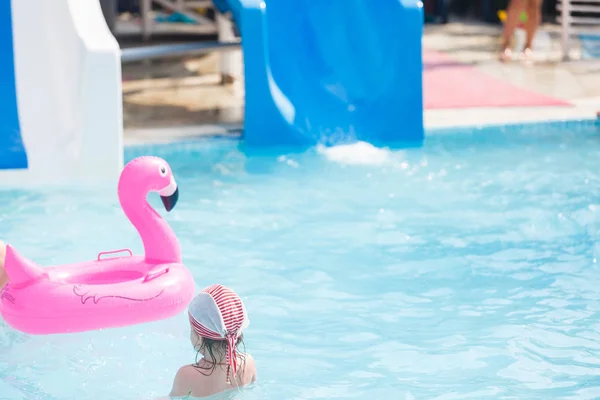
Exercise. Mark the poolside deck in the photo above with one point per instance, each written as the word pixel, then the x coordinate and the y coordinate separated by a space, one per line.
pixel 170 99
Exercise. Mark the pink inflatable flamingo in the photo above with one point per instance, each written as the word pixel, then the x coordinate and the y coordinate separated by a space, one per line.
pixel 107 292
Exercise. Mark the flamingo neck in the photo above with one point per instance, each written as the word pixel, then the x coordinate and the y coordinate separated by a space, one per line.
pixel 160 242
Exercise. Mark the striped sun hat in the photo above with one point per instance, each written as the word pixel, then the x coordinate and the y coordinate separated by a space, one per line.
pixel 218 313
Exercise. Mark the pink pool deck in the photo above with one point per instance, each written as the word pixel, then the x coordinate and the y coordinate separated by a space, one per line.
pixel 449 84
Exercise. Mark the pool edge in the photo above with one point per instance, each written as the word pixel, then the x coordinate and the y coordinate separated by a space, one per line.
pixel 229 132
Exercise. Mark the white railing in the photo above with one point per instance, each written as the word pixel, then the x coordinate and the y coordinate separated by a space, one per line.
pixel 576 25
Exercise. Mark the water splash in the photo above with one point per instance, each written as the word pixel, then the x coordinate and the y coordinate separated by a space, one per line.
pixel 359 153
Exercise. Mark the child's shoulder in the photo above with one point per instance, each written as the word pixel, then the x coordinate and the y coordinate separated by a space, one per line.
pixel 183 384
pixel 187 373
pixel 248 360
pixel 249 368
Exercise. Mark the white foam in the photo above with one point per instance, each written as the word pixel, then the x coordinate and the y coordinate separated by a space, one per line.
pixel 359 153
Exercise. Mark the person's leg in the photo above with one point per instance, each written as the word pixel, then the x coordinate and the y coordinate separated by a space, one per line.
pixel 515 7
pixel 534 18
pixel 3 275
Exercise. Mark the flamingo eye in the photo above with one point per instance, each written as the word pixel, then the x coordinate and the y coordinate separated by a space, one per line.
pixel 162 171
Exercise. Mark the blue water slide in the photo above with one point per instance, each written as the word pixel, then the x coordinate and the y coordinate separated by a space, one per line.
pixel 12 148
pixel 330 71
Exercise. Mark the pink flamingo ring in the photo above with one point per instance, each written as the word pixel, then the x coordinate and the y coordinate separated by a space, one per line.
pixel 109 291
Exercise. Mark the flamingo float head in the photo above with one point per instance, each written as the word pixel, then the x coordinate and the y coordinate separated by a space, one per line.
pixel 150 174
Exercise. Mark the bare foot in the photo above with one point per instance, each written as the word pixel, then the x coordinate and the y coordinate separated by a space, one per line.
pixel 3 275
pixel 527 56
pixel 506 55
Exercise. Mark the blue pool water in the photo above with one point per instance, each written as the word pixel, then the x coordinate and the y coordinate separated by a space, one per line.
pixel 462 269
pixel 590 46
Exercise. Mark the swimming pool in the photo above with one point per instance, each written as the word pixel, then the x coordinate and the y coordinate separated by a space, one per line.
pixel 462 269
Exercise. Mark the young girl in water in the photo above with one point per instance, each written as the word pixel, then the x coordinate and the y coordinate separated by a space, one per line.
pixel 217 318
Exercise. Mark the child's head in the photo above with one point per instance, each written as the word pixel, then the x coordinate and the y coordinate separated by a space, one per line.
pixel 217 319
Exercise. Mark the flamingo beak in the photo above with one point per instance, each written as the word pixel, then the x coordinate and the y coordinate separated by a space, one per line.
pixel 169 195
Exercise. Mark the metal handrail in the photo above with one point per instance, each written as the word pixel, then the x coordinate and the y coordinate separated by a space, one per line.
pixel 222 26
pixel 175 50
